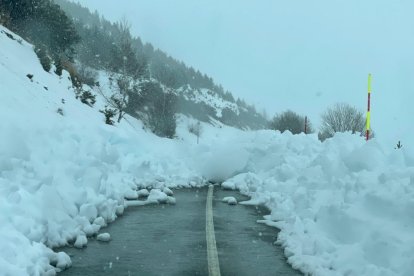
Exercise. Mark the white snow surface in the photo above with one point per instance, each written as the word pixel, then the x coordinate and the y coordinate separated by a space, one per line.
pixel 343 207
pixel 230 200
pixel 63 177
pixel 104 237
pixel 209 98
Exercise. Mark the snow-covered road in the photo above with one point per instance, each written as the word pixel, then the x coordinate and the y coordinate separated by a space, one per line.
pixel 170 240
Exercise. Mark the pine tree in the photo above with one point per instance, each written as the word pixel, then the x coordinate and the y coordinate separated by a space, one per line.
pixel 43 23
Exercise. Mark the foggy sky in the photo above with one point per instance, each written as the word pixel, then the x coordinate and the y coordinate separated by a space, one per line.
pixel 295 54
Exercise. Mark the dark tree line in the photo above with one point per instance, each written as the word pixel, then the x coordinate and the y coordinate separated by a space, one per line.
pixel 43 23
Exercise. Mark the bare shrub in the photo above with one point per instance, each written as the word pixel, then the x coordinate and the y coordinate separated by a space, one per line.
pixel 109 114
pixel 87 75
pixel 196 129
pixel 342 117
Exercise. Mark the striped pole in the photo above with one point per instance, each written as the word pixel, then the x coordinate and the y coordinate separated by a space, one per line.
pixel 368 126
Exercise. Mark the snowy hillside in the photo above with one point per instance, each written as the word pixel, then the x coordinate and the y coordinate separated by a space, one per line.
pixel 61 177
pixel 208 97
pixel 344 207
pixel 197 94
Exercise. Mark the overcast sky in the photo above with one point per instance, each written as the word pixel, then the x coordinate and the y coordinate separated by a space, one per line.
pixel 292 54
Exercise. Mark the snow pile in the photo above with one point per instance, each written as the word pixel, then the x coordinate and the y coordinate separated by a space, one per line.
pixel 230 200
pixel 62 178
pixel 344 207
pixel 104 237
pixel 143 193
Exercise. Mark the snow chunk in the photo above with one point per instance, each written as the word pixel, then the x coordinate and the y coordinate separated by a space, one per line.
pixel 104 237
pixel 88 211
pixel 131 195
pixel 120 210
pixel 230 200
pixel 143 193
pixel 99 221
pixel 81 241
pixel 168 191
pixel 224 161
pixel 171 200
pixel 228 185
pixel 157 196
pixel 62 261
pixel 91 229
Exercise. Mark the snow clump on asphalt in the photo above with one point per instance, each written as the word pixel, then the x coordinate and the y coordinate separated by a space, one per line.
pixel 230 200
pixel 104 237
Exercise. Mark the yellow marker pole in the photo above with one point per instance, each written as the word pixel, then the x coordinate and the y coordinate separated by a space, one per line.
pixel 368 126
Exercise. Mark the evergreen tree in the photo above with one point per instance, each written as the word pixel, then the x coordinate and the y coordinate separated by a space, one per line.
pixel 43 23
pixel 160 106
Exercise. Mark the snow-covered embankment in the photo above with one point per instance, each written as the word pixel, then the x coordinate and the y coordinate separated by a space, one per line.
pixel 344 207
pixel 63 177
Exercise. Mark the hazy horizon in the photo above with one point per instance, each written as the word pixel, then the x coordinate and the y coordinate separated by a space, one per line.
pixel 296 55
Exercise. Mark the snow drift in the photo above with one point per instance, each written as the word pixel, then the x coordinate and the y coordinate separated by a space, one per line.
pixel 344 207
pixel 63 177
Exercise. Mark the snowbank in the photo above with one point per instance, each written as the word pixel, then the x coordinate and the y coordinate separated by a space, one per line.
pixel 230 200
pixel 344 207
pixel 62 178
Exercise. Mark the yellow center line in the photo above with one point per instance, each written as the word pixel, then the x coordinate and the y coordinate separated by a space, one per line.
pixel 212 255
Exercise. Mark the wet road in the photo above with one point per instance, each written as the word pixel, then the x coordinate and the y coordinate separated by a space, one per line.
pixel 171 240
pixel 246 247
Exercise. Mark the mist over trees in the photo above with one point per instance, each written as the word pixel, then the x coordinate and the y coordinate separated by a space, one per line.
pixel 146 82
pixel 103 47
pixel 102 41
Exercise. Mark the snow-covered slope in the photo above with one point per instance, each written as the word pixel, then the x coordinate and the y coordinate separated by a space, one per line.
pixel 209 98
pixel 59 173
pixel 344 207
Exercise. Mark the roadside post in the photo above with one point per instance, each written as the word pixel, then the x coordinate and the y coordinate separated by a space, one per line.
pixel 368 126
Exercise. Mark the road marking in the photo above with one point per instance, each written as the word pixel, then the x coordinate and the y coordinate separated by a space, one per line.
pixel 212 255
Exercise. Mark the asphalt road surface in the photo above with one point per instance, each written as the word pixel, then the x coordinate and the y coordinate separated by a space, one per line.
pixel 171 240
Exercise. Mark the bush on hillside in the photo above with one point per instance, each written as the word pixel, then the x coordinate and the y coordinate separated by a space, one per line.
pixel 160 107
pixel 196 129
pixel 44 58
pixel 109 114
pixel 86 75
pixel 85 96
